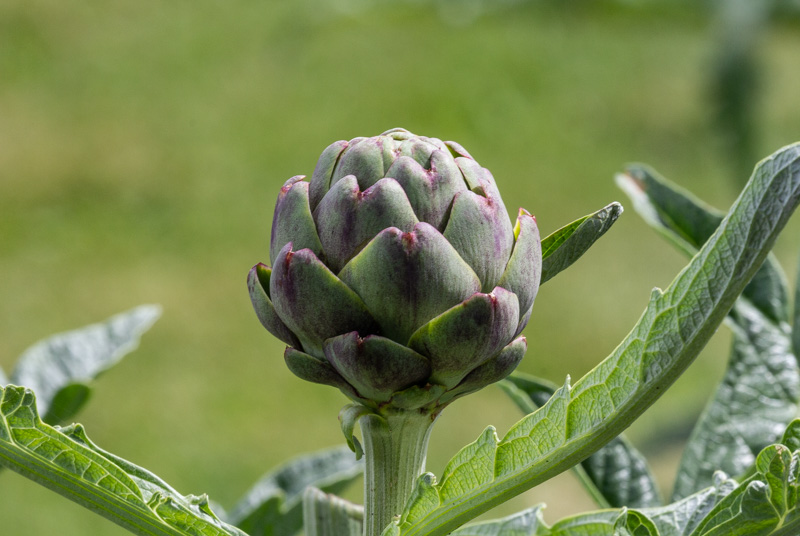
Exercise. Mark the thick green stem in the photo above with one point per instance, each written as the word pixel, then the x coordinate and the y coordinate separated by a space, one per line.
pixel 395 447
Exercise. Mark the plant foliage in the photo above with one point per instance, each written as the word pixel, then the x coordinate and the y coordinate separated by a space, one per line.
pixel 579 419
pixel 745 431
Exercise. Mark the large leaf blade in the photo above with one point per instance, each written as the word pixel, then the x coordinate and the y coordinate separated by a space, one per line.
pixel 617 475
pixel 763 505
pixel 680 518
pixel 724 508
pixel 757 398
pixel 563 247
pixel 274 505
pixel 677 519
pixel 760 392
pixel 673 329
pixel 529 522
pixel 599 523
pixel 60 367
pixel 68 463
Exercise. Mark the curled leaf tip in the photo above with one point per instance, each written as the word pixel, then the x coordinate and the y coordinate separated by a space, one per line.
pixel 348 417
pixel 615 208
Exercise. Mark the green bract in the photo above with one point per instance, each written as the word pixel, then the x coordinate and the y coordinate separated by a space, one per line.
pixel 396 273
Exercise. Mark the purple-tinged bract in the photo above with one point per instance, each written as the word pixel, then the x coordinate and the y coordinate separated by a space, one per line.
pixel 397 275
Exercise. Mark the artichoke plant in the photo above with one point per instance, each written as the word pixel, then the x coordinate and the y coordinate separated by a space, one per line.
pixel 397 275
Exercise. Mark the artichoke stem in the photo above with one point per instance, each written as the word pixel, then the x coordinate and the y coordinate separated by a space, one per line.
pixel 395 447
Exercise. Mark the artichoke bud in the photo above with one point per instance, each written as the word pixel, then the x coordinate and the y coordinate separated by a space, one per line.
pixel 396 274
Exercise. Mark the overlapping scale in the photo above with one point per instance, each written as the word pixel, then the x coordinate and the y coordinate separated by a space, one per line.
pixel 405 279
pixel 313 302
pixel 465 336
pixel 349 218
pixel 293 221
pixel 376 366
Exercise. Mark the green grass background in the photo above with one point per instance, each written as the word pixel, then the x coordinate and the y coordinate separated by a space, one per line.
pixel 142 145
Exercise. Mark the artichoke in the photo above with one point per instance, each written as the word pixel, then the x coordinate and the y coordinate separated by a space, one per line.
pixel 397 275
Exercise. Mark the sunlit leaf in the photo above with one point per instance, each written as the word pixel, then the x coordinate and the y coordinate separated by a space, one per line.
pixel 617 475
pixel 578 420
pixel 566 245
pixel 67 462
pixel 760 391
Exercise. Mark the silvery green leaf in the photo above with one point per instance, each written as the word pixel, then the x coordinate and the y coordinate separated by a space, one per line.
pixel 635 523
pixel 622 522
pixel 329 515
pixel 617 475
pixel 566 245
pixel 67 462
pixel 599 523
pixel 677 519
pixel 764 504
pixel 682 517
pixel 529 522
pixel 760 391
pixel 59 368
pixel 579 419
pixel 3 378
pixel 274 505
pixel 757 397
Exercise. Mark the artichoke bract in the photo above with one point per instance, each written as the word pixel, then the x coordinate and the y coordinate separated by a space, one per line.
pixel 396 274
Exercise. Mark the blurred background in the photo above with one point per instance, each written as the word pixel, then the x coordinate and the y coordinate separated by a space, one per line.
pixel 143 144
